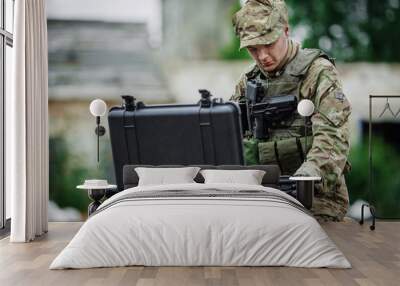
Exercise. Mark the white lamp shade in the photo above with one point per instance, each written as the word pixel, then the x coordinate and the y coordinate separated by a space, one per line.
pixel 98 107
pixel 305 107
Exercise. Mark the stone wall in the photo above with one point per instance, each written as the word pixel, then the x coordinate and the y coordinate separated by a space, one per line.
pixel 95 59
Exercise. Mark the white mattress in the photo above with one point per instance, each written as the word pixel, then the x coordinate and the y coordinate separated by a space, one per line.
pixel 192 231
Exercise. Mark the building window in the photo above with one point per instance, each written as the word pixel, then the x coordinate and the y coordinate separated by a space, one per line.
pixel 6 44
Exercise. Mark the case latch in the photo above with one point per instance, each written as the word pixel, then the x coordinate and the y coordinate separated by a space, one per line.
pixel 205 100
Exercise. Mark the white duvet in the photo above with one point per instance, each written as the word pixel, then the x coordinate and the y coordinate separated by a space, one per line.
pixel 200 231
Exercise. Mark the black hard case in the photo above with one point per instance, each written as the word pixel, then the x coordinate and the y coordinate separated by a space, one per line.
pixel 207 133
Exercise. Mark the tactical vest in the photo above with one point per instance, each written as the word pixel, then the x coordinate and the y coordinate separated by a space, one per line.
pixel 286 144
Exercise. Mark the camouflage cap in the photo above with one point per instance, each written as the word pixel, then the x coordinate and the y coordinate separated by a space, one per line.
pixel 260 22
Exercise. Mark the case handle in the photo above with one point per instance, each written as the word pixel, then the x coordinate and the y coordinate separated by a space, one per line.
pixel 129 101
pixel 131 104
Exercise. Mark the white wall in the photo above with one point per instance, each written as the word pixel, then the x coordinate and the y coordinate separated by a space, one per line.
pixel 148 11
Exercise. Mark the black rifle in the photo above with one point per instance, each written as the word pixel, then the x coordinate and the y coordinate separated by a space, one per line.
pixel 263 111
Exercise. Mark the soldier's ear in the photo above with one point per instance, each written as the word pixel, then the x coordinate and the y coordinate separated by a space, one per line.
pixel 287 31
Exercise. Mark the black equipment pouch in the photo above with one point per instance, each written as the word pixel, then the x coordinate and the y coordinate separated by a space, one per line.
pixel 288 153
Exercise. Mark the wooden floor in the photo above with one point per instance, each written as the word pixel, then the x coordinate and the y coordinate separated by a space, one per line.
pixel 375 257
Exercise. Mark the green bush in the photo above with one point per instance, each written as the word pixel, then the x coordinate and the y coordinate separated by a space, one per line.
pixel 385 190
pixel 65 175
pixel 231 51
pixel 67 170
pixel 347 30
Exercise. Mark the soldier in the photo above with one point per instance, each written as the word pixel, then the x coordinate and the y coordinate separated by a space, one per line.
pixel 284 68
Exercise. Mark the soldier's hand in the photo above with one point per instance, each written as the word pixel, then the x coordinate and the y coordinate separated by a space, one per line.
pixel 300 175
pixel 301 172
pixel 307 170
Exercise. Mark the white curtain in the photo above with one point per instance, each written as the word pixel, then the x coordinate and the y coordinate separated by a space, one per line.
pixel 27 123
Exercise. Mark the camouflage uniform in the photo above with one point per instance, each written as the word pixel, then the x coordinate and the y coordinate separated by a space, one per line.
pixel 308 74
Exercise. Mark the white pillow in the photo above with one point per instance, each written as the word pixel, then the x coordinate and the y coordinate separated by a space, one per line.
pixel 247 177
pixel 165 176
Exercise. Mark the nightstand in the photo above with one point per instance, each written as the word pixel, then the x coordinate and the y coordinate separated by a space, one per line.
pixel 96 190
pixel 305 189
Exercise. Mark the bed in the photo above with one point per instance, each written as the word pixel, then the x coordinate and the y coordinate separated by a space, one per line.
pixel 201 224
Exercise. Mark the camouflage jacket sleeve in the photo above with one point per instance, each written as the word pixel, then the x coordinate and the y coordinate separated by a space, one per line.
pixel 330 124
pixel 240 88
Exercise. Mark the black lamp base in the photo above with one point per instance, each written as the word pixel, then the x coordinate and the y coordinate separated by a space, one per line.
pixel 95 195
pixel 100 130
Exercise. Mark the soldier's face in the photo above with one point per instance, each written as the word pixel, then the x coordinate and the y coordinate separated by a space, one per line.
pixel 268 57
